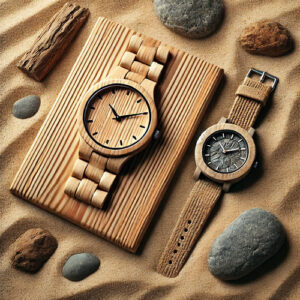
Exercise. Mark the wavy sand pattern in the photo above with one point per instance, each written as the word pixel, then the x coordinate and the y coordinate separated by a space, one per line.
pixel 127 276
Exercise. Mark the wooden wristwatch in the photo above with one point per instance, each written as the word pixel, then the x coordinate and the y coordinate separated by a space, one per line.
pixel 224 154
pixel 117 119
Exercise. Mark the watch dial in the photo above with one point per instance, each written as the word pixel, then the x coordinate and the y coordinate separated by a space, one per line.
pixel 117 116
pixel 225 151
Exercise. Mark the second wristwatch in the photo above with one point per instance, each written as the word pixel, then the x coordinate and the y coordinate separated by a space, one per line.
pixel 224 154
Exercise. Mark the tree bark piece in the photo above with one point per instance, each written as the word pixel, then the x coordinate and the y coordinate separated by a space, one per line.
pixel 53 41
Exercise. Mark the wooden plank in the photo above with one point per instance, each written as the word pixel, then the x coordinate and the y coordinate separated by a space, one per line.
pixel 186 89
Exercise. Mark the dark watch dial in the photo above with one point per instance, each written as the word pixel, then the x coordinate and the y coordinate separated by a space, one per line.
pixel 225 151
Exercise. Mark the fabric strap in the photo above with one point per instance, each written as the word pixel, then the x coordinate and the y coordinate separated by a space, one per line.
pixel 197 209
pixel 250 98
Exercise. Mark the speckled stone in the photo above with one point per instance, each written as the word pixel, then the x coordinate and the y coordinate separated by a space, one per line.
pixel 32 249
pixel 80 266
pixel 266 38
pixel 251 239
pixel 193 18
pixel 26 107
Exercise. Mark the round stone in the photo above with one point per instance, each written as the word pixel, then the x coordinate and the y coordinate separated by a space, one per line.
pixel 191 18
pixel 26 107
pixel 255 236
pixel 80 265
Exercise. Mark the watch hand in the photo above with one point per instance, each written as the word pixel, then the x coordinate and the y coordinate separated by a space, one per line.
pixel 232 150
pixel 131 115
pixel 223 150
pixel 117 117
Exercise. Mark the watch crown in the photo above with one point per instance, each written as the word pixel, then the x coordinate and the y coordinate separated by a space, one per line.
pixel 156 134
pixel 255 164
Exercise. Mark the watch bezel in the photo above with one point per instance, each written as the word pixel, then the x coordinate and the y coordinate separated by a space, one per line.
pixel 224 177
pixel 136 147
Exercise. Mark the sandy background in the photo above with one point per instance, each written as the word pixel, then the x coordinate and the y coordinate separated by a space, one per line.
pixel 274 186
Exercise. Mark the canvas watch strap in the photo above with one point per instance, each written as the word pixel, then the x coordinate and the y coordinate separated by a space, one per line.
pixel 251 95
pixel 93 174
pixel 197 209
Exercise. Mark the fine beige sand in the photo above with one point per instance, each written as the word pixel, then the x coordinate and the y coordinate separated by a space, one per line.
pixel 274 187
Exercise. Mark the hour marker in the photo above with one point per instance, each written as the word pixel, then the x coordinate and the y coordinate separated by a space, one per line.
pixel 223 135
pixel 243 158
pixel 100 97
pixel 209 163
pixel 206 154
pixel 231 137
pixel 121 142
pixel 214 138
pixel 243 149
pixel 134 137
pixel 235 165
pixel 227 170
pixel 107 141
pixel 95 133
pixel 217 168
pixel 127 93
pixel 113 91
pixel 92 107
pixel 142 126
pixel 240 140
pixel 90 121
pixel 138 101
pixel 208 146
pixel 145 113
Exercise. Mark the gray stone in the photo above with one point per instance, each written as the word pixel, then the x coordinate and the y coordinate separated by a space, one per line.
pixel 251 239
pixel 26 107
pixel 79 266
pixel 191 18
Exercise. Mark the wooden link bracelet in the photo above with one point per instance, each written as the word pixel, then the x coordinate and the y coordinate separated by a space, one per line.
pixel 94 175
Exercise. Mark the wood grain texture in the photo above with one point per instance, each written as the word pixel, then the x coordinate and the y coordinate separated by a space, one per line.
pixel 53 41
pixel 186 88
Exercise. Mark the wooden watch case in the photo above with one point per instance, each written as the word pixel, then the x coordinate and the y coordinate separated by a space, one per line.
pixel 141 144
pixel 226 178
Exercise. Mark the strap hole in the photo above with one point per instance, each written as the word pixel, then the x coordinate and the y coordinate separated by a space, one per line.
pixel 178 244
pixel 170 262
pixel 175 251
pixel 182 237
pixel 189 221
pixel 185 229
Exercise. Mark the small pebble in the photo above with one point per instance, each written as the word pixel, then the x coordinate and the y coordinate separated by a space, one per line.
pixel 193 19
pixel 80 266
pixel 266 38
pixel 32 249
pixel 252 238
pixel 26 107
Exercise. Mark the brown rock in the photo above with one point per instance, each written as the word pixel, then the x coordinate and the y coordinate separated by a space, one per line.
pixel 32 249
pixel 266 38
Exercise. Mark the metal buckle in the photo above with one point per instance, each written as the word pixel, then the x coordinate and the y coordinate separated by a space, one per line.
pixel 263 76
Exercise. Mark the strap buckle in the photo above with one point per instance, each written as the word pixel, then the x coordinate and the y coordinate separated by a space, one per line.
pixel 263 76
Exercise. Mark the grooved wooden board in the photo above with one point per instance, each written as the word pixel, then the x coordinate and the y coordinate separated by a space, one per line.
pixel 182 97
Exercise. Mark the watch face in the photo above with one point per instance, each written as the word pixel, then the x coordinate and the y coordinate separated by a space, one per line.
pixel 117 116
pixel 225 151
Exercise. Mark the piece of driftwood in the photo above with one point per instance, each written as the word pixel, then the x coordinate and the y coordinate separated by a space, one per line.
pixel 184 91
pixel 53 41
